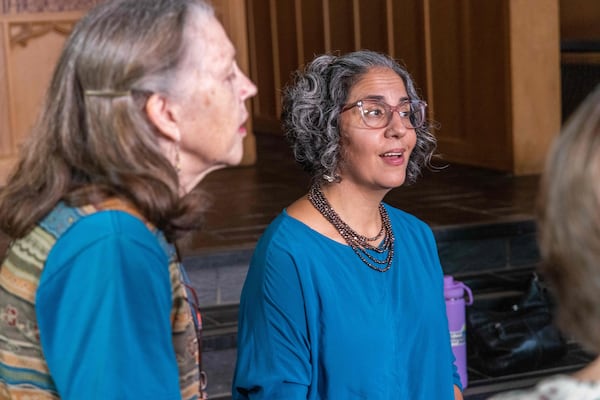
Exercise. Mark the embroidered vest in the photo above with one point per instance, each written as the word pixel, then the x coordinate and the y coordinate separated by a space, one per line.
pixel 24 373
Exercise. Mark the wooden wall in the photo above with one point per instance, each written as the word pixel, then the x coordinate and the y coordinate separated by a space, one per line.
pixel 580 20
pixel 490 70
pixel 580 53
pixel 30 43
pixel 285 34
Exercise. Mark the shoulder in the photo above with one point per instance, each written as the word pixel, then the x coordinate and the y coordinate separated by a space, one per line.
pixel 558 387
pixel 287 226
pixel 283 235
pixel 63 219
pixel 404 217
pixel 403 220
pixel 111 223
pixel 288 243
pixel 564 386
pixel 106 250
pixel 109 232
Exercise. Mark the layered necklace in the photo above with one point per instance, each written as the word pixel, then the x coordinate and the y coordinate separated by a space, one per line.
pixel 370 255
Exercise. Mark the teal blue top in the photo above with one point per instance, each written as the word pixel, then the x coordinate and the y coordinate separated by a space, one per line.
pixel 103 308
pixel 316 323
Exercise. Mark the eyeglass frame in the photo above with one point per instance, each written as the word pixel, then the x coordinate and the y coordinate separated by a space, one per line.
pixel 404 115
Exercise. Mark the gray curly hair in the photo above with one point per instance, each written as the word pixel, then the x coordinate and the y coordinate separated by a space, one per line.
pixel 313 102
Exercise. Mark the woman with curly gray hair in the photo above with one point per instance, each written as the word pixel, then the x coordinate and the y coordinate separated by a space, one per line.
pixel 344 295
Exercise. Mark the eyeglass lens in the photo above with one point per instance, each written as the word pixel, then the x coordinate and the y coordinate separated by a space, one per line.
pixel 376 114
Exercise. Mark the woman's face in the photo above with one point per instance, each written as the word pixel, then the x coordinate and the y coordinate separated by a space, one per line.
pixel 375 159
pixel 211 94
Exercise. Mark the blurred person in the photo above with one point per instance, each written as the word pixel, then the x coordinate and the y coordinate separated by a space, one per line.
pixel 569 240
pixel 344 294
pixel 145 100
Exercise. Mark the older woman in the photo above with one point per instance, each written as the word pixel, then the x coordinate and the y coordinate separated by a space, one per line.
pixel 569 238
pixel 146 99
pixel 344 295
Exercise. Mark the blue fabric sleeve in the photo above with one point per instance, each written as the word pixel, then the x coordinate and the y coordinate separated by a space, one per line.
pixel 103 308
pixel 432 245
pixel 274 360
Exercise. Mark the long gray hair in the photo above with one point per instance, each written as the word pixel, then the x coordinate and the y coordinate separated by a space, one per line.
pixel 312 105
pixel 86 148
pixel 569 223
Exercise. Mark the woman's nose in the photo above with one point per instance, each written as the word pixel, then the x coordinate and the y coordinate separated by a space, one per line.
pixel 248 87
pixel 396 126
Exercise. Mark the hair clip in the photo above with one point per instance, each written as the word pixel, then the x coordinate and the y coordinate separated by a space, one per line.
pixel 107 93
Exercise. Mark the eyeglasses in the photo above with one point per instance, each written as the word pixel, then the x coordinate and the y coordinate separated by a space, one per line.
pixel 378 114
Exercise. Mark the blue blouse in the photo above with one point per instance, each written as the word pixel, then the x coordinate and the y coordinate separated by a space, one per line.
pixel 315 322
pixel 103 308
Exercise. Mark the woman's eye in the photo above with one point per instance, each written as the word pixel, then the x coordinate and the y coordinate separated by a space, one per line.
pixel 374 112
pixel 233 73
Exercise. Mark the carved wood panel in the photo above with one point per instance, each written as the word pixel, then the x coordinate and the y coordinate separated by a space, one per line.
pixel 33 51
pixel 6 142
pixel 45 6
pixel 29 50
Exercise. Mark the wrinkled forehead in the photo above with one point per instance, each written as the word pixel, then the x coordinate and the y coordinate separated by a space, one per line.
pixel 378 73
pixel 379 82
pixel 207 46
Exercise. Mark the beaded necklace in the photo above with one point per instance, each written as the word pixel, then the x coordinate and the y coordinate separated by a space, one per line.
pixel 359 243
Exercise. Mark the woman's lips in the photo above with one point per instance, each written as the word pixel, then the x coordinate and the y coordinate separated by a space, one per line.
pixel 393 157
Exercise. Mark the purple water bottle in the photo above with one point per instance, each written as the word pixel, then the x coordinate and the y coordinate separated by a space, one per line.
pixel 454 292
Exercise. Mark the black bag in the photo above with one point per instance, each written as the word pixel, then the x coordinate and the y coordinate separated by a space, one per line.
pixel 522 338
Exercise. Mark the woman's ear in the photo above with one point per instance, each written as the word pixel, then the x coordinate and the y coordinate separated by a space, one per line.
pixel 159 111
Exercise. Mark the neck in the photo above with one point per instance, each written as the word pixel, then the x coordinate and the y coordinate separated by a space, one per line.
pixel 590 373
pixel 358 209
pixel 188 181
pixel 377 256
